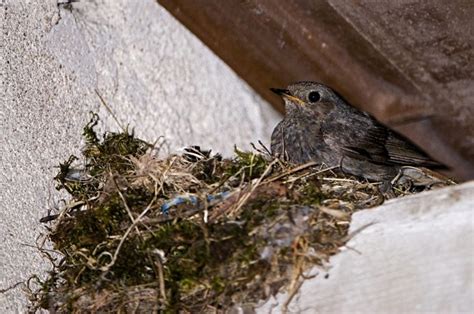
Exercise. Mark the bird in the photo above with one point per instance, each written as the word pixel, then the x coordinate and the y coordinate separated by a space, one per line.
pixel 320 126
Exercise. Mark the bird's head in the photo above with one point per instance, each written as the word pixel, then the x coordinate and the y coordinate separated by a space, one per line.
pixel 308 98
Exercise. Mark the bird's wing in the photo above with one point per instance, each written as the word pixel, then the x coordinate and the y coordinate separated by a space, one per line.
pixel 402 151
pixel 369 140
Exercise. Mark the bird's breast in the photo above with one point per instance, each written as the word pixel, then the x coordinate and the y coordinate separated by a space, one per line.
pixel 297 141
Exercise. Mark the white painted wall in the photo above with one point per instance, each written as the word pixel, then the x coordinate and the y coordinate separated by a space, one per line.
pixel 413 255
pixel 155 75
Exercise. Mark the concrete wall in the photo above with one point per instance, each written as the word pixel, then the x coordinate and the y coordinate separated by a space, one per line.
pixel 155 76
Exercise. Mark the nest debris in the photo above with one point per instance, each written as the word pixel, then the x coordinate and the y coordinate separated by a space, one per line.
pixel 192 232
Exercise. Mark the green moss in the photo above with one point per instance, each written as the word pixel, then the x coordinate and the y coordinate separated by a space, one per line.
pixel 250 165
pixel 112 153
pixel 311 194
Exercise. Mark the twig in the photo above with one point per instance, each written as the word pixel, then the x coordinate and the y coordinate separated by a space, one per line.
pixel 124 237
pixel 341 180
pixel 11 287
pixel 247 196
pixel 307 175
pixel 357 231
pixel 127 208
pixel 291 295
pixel 291 171
pixel 159 265
pixel 109 110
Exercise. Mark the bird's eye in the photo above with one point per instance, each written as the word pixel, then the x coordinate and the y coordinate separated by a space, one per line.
pixel 314 97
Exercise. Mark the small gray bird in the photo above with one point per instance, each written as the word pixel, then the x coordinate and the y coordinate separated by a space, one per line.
pixel 320 126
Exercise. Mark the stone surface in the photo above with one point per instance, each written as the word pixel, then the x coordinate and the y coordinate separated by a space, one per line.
pixel 412 255
pixel 155 76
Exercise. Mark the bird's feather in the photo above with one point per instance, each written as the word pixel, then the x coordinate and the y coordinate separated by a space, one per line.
pixel 380 145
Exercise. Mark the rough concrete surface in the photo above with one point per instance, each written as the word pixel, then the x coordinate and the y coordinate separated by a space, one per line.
pixel 155 75
pixel 410 255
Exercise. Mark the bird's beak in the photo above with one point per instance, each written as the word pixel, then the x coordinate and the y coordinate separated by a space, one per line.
pixel 287 95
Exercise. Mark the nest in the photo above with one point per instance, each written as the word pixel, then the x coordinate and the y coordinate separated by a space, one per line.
pixel 191 232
